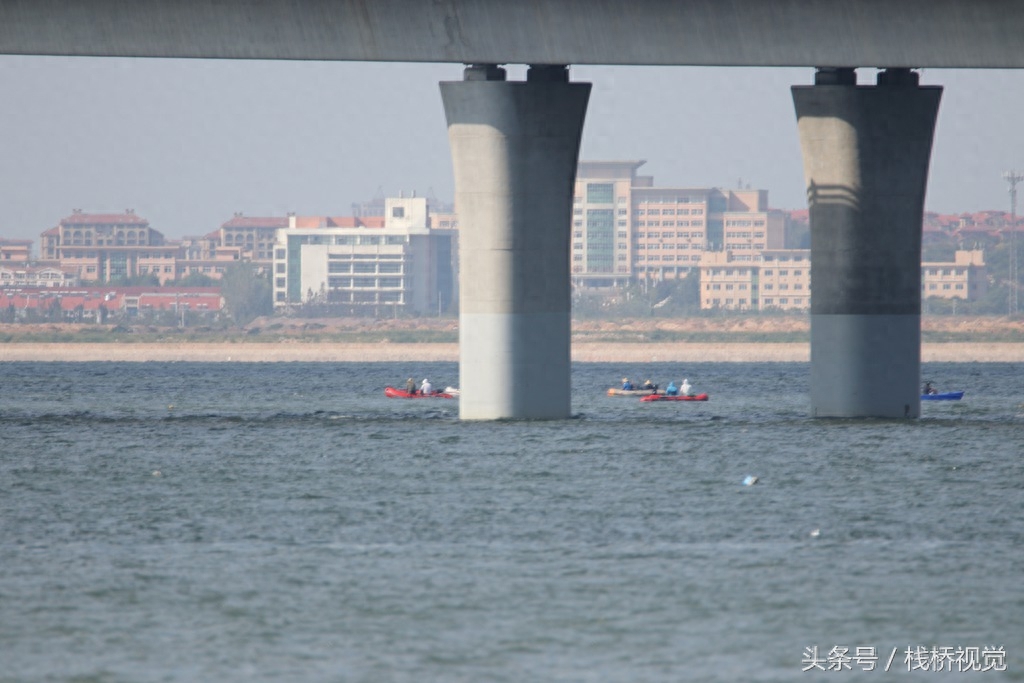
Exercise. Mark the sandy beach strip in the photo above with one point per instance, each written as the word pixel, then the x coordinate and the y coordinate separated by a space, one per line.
pixel 307 352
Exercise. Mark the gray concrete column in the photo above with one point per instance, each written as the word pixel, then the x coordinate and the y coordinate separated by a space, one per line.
pixel 515 148
pixel 866 151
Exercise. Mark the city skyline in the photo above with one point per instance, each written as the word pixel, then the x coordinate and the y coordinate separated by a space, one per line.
pixel 187 143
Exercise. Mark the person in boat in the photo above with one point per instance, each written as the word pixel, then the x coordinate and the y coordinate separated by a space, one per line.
pixel 650 386
pixel 626 384
pixel 686 389
pixel 426 388
pixel 929 389
pixel 410 386
pixel 671 389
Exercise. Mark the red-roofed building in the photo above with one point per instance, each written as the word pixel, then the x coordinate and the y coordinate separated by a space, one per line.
pixel 102 303
pixel 250 238
pixel 100 247
pixel 15 252
pixel 242 238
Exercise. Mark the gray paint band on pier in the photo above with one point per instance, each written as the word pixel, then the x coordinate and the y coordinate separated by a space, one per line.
pixel 866 152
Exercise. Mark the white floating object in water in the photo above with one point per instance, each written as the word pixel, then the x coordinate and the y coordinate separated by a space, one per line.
pixel 156 473
pixel 815 533
pixel 749 480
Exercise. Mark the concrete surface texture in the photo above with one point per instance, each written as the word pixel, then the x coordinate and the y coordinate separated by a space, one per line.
pixel 514 155
pixel 879 33
pixel 866 152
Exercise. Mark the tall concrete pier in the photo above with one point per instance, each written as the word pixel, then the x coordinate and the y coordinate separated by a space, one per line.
pixel 515 147
pixel 866 151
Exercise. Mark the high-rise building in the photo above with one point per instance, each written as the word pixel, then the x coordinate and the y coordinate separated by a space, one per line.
pixel 626 229
pixel 964 278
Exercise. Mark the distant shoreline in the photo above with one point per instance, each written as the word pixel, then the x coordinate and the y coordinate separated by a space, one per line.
pixel 586 352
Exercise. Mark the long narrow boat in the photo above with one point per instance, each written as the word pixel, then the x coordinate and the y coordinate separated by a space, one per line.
pixel 634 392
pixel 688 397
pixel 944 396
pixel 392 392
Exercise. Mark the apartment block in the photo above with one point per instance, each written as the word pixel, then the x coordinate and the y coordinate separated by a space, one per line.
pixel 780 279
pixel 784 280
pixel 372 265
pixel 15 252
pixel 103 247
pixel 772 279
pixel 963 278
pixel 728 282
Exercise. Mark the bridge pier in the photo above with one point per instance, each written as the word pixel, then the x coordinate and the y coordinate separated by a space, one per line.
pixel 515 147
pixel 866 151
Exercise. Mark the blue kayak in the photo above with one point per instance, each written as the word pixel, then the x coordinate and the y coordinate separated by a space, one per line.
pixel 944 396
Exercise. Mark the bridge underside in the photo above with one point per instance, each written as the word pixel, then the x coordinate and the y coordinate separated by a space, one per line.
pixel 859 33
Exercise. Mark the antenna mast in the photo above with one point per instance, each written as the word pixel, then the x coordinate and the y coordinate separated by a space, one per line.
pixel 1012 177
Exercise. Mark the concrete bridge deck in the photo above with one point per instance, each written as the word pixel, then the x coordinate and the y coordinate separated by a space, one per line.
pixel 854 33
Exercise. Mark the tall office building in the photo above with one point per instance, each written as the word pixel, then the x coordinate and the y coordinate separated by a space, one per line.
pixel 626 229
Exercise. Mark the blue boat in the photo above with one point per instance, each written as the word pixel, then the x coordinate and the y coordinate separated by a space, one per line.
pixel 944 396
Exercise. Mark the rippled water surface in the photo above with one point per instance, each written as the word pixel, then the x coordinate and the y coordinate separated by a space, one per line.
pixel 286 522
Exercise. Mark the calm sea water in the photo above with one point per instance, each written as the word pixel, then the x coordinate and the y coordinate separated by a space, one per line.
pixel 286 522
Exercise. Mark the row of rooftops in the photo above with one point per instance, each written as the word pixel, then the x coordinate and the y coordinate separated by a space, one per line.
pixel 79 217
pixel 981 223
pixel 240 221
pixel 114 298
pixel 982 220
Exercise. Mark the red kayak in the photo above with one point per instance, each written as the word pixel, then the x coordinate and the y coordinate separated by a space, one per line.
pixel 392 392
pixel 658 397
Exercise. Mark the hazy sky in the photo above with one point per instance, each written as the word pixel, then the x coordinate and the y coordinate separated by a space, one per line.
pixel 186 143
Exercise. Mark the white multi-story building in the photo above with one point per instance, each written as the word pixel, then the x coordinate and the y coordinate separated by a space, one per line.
pixel 35 276
pixel 373 265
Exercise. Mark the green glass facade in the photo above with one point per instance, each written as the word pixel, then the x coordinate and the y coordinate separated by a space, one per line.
pixel 600 193
pixel 600 240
